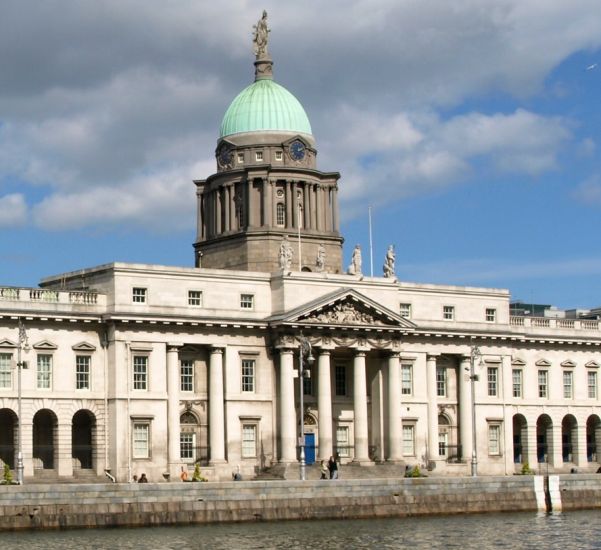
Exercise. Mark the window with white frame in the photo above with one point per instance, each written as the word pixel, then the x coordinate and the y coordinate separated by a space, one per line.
pixel 280 214
pixel 248 375
pixel 592 384
pixel 141 440
pixel 240 158
pixel 408 440
pixel 247 301
pixel 186 375
pixel 342 441
pixel 44 372
pixel 543 383
pixel 568 381
pixel 5 370
pixel 405 311
pixel 443 443
pixel 406 378
pixel 195 298
pixel 441 381
pixel 259 156
pixel 140 372
pixel 340 380
pixel 249 440
pixel 516 378
pixel 279 155
pixel 187 446
pixel 448 313
pixel 492 375
pixel 82 372
pixel 494 439
pixel 139 295
pixel 491 315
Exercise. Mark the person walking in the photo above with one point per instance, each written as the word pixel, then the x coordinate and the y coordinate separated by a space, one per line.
pixel 333 467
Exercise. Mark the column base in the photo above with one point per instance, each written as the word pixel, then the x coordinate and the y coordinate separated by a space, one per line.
pixel 363 462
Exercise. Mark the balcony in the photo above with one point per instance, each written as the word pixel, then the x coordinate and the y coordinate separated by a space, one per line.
pixel 43 300
pixel 552 323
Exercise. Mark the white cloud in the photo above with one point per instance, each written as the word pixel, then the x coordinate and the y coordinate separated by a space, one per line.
pixel 589 191
pixel 14 210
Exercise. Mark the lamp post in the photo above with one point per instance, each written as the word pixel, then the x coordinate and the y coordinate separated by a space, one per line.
pixel 23 345
pixel 474 354
pixel 304 352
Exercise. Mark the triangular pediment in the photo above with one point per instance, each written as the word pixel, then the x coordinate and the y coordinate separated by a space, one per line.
pixel 83 346
pixel 44 344
pixel 542 363
pixel 568 363
pixel 345 307
pixel 5 343
pixel 517 362
pixel 592 365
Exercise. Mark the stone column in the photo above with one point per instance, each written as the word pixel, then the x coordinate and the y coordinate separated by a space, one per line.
pixel 579 446
pixel 218 201
pixel 289 202
pixel 173 425
pixel 335 211
pixel 216 404
pixel 324 404
pixel 432 407
pixel 268 220
pixel 465 408
pixel 554 446
pixel 319 204
pixel 529 453
pixel 64 451
pixel 27 443
pixel 295 215
pixel 360 408
pixel 395 425
pixel 287 411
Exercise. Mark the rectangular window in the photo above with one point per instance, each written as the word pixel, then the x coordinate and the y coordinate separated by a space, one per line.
pixel 195 298
pixel 279 155
pixel 141 440
pixel 187 444
pixel 240 158
pixel 441 382
pixel 186 375
pixel 44 374
pixel 408 440
pixel 247 301
pixel 82 372
pixel 494 439
pixel 140 372
pixel 491 315
pixel 405 311
pixel 448 313
pixel 493 379
pixel 516 377
pixel 443 443
pixel 259 156
pixel 342 441
pixel 568 378
pixel 406 379
pixel 543 377
pixel 280 214
pixel 592 384
pixel 5 373
pixel 249 440
pixel 340 379
pixel 248 375
pixel 139 295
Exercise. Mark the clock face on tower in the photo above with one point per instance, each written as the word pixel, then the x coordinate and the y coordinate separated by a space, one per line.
pixel 224 156
pixel 297 150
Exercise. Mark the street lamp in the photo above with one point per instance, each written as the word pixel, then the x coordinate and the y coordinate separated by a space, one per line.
pixel 304 352
pixel 23 345
pixel 474 354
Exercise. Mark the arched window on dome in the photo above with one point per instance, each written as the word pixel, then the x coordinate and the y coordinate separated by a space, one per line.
pixel 280 214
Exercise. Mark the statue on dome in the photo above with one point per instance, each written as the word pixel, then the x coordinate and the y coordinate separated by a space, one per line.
pixel 320 261
pixel 355 267
pixel 285 255
pixel 261 36
pixel 389 262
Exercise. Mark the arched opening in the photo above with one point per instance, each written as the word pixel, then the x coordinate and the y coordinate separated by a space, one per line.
pixel 44 436
pixel 569 438
pixel 593 434
pixel 82 438
pixel 310 443
pixel 520 426
pixel 544 437
pixel 189 448
pixel 444 436
pixel 8 437
pixel 306 269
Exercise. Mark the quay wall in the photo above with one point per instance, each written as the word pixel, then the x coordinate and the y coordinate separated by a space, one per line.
pixel 61 506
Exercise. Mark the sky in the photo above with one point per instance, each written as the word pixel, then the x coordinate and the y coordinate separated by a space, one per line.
pixel 472 128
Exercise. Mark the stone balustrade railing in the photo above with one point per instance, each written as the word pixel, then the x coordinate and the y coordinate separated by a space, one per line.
pixel 549 322
pixel 47 296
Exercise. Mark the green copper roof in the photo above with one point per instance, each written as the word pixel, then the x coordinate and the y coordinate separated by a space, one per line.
pixel 265 105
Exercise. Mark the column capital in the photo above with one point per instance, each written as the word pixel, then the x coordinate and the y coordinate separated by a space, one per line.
pixel 324 351
pixel 393 354
pixel 173 347
pixel 360 353
pixel 217 350
pixel 432 356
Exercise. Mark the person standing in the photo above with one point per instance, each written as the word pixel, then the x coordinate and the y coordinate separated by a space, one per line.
pixel 333 467
pixel 325 471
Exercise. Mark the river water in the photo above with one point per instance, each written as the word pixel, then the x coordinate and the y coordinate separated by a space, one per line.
pixel 566 531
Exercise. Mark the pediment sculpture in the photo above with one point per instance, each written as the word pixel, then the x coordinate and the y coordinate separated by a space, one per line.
pixel 344 313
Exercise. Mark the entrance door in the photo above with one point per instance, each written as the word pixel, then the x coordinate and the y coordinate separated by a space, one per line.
pixel 310 448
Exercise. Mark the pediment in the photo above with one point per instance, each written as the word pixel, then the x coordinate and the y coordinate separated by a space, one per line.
pixel 517 362
pixel 592 365
pixel 568 363
pixel 45 345
pixel 5 343
pixel 83 346
pixel 542 363
pixel 343 308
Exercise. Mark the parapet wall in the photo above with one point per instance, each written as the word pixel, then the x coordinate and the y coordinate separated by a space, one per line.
pixel 107 505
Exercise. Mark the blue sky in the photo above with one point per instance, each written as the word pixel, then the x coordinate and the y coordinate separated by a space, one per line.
pixel 472 128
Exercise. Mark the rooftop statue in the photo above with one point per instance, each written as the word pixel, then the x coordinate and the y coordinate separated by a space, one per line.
pixel 261 36
pixel 389 262
pixel 355 267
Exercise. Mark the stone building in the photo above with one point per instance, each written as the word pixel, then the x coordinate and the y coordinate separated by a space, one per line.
pixel 144 368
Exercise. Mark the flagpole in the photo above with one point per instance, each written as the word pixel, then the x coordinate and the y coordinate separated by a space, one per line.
pixel 371 247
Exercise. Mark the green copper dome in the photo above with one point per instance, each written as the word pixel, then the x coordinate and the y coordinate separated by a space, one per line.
pixel 265 105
